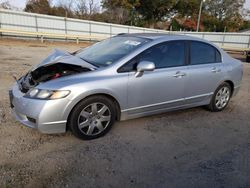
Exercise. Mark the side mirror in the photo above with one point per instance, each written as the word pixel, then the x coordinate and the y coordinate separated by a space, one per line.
pixel 144 66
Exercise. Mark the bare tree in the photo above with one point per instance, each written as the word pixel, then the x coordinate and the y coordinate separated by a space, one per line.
pixel 81 8
pixel 5 5
pixel 224 9
pixel 67 5
pixel 92 7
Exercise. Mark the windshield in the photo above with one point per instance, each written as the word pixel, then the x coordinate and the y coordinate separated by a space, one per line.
pixel 111 50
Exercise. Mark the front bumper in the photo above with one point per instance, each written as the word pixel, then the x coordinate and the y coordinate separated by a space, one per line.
pixel 47 116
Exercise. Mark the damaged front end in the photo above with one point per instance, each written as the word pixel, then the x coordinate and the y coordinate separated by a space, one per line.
pixel 58 64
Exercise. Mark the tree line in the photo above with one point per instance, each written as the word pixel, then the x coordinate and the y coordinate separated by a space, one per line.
pixel 217 15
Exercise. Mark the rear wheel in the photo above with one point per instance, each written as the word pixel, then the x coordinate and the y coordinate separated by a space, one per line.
pixel 248 58
pixel 220 98
pixel 92 117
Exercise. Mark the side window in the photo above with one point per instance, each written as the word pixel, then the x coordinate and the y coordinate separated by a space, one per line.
pixel 218 56
pixel 129 66
pixel 168 54
pixel 202 53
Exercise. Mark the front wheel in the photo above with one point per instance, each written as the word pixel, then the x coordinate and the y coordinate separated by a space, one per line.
pixel 92 117
pixel 220 98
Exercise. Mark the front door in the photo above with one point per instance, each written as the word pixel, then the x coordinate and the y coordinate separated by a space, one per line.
pixel 162 88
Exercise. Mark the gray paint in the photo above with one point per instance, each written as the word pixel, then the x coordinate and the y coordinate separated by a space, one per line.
pixel 153 92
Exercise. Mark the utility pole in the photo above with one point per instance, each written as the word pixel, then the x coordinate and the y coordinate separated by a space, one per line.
pixel 199 18
pixel 132 21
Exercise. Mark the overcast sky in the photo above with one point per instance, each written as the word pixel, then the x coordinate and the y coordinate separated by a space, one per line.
pixel 21 3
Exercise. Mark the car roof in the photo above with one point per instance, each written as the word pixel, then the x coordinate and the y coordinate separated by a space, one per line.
pixel 166 37
pixel 155 36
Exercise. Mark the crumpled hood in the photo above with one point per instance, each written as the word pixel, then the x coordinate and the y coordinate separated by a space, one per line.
pixel 57 65
pixel 59 56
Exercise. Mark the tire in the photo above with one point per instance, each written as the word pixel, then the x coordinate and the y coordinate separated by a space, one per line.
pixel 248 58
pixel 221 98
pixel 92 118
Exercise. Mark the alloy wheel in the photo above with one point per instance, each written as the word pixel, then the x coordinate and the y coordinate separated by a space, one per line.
pixel 222 97
pixel 94 119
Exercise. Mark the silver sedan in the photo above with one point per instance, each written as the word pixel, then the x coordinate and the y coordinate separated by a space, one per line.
pixel 124 77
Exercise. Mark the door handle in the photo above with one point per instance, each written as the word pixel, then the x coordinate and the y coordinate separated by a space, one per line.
pixel 216 70
pixel 179 74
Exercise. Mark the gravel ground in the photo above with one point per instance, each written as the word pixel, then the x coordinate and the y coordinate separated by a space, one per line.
pixel 187 148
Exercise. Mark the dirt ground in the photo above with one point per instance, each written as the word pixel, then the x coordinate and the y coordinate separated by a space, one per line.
pixel 187 148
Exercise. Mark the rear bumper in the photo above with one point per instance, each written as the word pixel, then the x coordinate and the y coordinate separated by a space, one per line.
pixel 47 116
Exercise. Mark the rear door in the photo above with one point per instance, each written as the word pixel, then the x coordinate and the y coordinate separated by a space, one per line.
pixel 205 71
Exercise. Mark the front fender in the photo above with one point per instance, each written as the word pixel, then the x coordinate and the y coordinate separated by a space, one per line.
pixel 86 94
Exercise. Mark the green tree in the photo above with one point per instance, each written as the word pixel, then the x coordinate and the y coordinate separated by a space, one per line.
pixel 60 11
pixel 175 25
pixel 245 25
pixel 187 8
pixel 138 11
pixel 38 6
pixel 224 15
pixel 211 23
pixel 121 11
pixel 157 10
